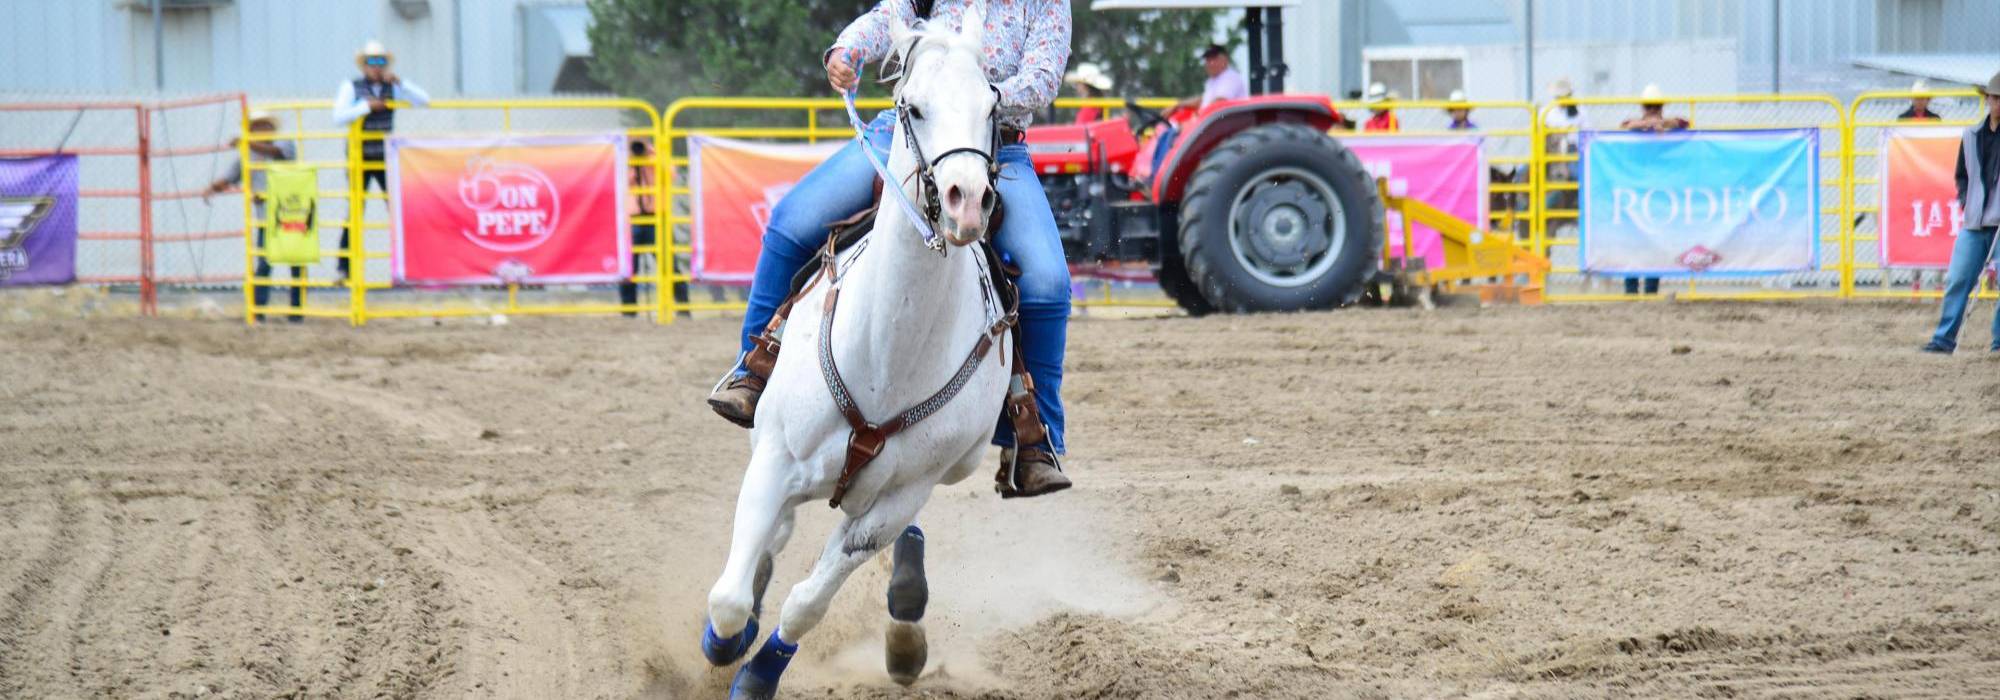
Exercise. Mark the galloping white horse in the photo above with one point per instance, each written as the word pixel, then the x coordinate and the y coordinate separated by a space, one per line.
pixel 908 316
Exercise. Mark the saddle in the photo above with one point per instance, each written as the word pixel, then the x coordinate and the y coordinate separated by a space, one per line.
pixel 866 439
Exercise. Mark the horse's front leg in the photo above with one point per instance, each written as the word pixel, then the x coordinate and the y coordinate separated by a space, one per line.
pixel 763 521
pixel 853 542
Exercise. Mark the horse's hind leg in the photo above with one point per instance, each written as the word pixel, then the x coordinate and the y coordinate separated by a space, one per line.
pixel 907 649
pixel 762 520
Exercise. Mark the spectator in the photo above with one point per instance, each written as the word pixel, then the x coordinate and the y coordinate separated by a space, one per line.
pixel 1381 118
pixel 1224 83
pixel 641 184
pixel 1561 120
pixel 261 122
pixel 1978 175
pixel 1652 114
pixel 1652 118
pixel 368 98
pixel 1920 106
pixel 1090 83
pixel 1461 116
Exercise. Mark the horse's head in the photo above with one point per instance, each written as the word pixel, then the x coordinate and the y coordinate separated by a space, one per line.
pixel 947 120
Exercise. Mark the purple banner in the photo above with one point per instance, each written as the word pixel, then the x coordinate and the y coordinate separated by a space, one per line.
pixel 38 220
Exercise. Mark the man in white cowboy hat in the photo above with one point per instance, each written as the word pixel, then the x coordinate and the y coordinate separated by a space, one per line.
pixel 1652 114
pixel 1920 105
pixel 1380 117
pixel 261 122
pixel 1978 177
pixel 1090 81
pixel 1460 112
pixel 368 98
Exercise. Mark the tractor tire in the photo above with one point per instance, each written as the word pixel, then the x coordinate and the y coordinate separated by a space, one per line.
pixel 1281 217
pixel 1172 275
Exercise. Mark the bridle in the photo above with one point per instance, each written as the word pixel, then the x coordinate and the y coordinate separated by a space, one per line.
pixel 925 220
pixel 926 168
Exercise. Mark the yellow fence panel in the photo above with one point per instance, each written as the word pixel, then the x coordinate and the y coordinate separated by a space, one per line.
pixel 1870 116
pixel 367 289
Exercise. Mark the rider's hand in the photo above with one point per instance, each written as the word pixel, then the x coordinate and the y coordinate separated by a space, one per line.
pixel 840 71
pixel 389 76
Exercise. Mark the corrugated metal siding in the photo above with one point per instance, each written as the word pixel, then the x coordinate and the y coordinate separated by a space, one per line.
pixel 264 47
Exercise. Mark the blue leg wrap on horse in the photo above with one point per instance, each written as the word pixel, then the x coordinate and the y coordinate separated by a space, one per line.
pixel 759 678
pixel 908 591
pixel 723 652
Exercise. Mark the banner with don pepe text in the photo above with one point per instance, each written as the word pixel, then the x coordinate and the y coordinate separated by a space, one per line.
pixel 1446 172
pixel 498 209
pixel 736 185
pixel 1701 203
pixel 1920 215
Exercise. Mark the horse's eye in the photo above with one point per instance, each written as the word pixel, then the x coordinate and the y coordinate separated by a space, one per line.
pixel 916 113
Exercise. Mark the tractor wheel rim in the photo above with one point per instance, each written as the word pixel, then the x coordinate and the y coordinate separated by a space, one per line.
pixel 1284 225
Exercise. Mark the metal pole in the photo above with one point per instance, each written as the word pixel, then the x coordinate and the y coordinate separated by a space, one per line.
pixel 1777 44
pixel 1274 26
pixel 159 48
pixel 1528 92
pixel 1253 23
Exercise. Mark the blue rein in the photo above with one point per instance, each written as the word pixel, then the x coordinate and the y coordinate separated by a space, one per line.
pixel 889 183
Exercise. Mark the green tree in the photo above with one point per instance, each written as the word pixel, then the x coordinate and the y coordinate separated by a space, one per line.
pixel 662 50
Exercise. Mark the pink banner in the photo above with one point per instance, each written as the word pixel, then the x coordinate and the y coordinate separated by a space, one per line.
pixel 1446 172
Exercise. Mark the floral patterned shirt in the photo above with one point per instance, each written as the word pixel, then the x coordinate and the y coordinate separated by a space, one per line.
pixel 1026 46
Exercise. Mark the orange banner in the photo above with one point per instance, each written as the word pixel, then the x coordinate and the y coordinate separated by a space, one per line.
pixel 736 184
pixel 1920 216
pixel 509 209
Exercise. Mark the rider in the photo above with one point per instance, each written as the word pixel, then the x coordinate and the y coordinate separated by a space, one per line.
pixel 1026 45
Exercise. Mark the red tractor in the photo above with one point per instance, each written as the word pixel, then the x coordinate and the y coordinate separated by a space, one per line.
pixel 1246 205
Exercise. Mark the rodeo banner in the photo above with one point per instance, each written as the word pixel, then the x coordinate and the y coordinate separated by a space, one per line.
pixel 38 220
pixel 1717 203
pixel 1448 173
pixel 544 209
pixel 1920 215
pixel 735 185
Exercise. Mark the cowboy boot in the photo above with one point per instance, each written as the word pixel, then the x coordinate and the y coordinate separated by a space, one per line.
pixel 1027 472
pixel 735 399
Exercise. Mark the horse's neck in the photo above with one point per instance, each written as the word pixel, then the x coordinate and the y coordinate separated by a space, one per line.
pixel 901 301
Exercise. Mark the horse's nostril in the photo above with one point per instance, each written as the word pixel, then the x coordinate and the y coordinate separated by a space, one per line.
pixel 987 201
pixel 953 197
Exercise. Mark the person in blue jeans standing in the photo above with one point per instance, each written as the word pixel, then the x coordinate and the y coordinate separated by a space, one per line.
pixel 1025 46
pixel 1979 197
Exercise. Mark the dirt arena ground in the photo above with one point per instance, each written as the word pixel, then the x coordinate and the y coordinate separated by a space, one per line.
pixel 1664 501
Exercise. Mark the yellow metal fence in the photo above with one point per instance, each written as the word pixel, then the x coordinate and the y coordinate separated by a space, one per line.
pixel 1535 199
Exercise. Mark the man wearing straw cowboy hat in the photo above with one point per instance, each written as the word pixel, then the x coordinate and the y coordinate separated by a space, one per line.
pixel 261 122
pixel 1920 105
pixel 367 98
pixel 1090 82
pixel 1978 176
pixel 1460 112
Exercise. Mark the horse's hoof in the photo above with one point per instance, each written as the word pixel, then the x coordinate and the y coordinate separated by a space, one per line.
pixel 907 651
pixel 723 652
pixel 758 680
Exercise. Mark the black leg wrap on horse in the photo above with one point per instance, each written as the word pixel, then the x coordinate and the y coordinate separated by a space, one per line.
pixel 908 591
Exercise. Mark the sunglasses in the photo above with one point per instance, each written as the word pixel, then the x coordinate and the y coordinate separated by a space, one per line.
pixel 376 60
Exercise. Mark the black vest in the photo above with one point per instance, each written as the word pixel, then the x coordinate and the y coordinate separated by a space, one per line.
pixel 384 120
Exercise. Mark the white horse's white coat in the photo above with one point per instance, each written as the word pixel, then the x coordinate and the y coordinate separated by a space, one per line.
pixel 906 319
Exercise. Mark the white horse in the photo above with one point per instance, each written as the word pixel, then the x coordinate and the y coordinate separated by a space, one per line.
pixel 908 316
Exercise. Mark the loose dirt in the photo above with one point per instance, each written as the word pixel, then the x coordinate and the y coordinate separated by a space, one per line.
pixel 1661 500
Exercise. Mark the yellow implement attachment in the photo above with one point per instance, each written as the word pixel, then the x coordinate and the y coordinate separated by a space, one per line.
pixel 1474 259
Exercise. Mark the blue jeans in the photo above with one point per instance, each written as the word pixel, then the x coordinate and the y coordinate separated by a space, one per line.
pixel 844 185
pixel 1968 257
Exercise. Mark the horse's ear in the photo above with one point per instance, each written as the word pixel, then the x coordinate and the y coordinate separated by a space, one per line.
pixel 972 29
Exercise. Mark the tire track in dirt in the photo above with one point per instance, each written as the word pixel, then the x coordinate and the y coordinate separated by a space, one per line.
pixel 523 631
pixel 43 606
